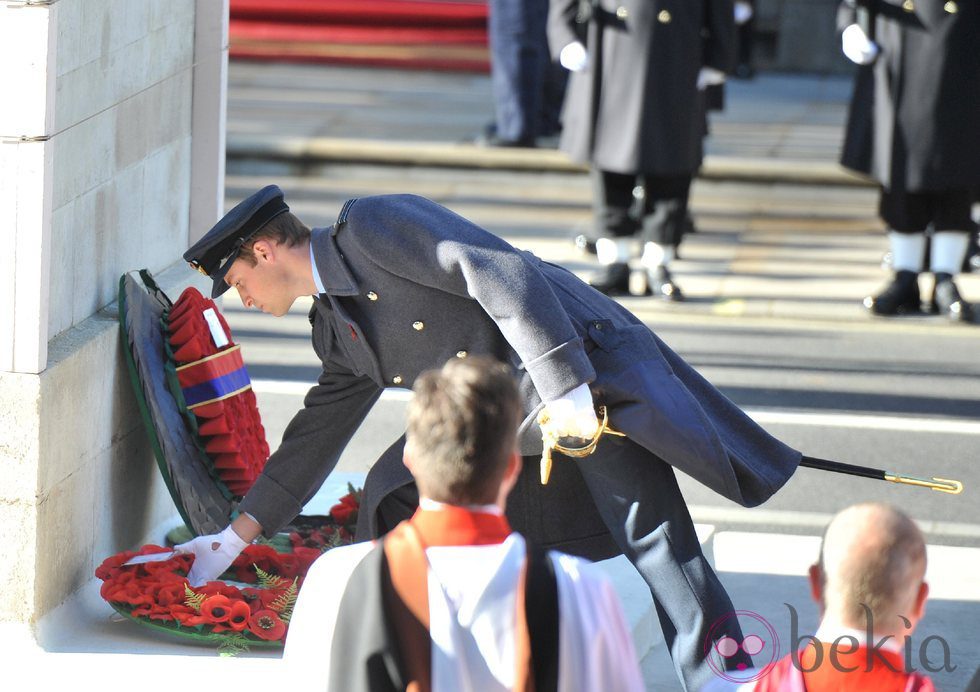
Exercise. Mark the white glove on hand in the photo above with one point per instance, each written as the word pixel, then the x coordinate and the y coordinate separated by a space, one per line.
pixel 212 554
pixel 743 12
pixel 574 57
pixel 857 46
pixel 573 415
pixel 709 76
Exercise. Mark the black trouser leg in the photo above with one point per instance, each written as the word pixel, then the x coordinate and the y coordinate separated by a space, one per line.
pixel 665 203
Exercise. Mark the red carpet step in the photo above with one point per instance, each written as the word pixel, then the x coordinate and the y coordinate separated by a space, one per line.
pixel 409 34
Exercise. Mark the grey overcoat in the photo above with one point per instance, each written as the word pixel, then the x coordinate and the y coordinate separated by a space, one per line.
pixel 913 124
pixel 636 108
pixel 409 285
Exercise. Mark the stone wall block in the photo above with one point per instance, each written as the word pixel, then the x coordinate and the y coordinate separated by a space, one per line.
pixel 63 266
pixel 20 406
pixel 166 197
pixel 17 535
pixel 84 157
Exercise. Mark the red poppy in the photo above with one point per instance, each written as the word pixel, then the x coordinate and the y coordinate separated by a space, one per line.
pixel 216 608
pixel 239 617
pixel 266 624
pixel 345 512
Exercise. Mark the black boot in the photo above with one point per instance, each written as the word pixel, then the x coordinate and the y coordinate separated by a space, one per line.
pixel 612 279
pixel 900 297
pixel 946 300
pixel 661 284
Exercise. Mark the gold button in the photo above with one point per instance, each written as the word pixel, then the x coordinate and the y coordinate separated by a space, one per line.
pixel 951 7
pixel 908 6
pixel 622 13
pixel 461 354
pixel 371 295
pixel 664 17
pixel 418 326
pixel 397 379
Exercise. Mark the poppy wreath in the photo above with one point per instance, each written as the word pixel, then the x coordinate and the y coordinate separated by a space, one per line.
pixel 249 605
pixel 213 392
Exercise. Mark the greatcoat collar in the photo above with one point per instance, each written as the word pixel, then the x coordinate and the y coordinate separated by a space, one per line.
pixel 336 277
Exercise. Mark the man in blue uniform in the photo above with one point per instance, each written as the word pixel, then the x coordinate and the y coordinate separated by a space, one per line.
pixel 401 285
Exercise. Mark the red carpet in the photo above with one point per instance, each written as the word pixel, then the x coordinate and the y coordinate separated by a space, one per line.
pixel 410 34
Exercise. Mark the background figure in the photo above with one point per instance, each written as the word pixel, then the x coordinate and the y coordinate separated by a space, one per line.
pixel 869 579
pixel 912 127
pixel 457 567
pixel 635 110
pixel 528 88
pixel 745 24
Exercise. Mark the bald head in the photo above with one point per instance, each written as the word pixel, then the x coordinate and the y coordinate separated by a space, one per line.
pixel 872 554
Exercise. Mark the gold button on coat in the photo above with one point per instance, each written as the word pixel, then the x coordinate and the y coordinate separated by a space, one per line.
pixel 622 13
pixel 461 354
pixel 397 379
pixel 908 6
pixel 951 7
pixel 664 17
pixel 418 326
pixel 371 295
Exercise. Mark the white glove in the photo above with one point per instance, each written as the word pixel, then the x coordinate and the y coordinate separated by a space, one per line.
pixel 574 57
pixel 709 76
pixel 212 554
pixel 573 415
pixel 743 12
pixel 857 46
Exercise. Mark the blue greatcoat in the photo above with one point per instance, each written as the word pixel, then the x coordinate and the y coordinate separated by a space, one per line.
pixel 409 285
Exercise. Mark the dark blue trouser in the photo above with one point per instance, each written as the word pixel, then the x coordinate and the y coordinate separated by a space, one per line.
pixel 527 88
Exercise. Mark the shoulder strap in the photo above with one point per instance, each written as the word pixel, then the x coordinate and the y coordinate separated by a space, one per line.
pixel 345 210
pixel 541 610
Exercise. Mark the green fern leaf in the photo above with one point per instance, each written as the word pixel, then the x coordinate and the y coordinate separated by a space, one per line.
pixel 192 599
pixel 269 581
pixel 286 601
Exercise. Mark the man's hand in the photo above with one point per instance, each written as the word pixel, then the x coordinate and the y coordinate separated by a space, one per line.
pixel 709 76
pixel 857 46
pixel 573 415
pixel 212 554
pixel 574 57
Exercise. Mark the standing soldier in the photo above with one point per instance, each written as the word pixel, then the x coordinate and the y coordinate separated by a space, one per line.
pixel 913 128
pixel 635 111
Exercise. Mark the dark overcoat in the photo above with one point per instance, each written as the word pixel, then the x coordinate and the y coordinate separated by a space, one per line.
pixel 636 108
pixel 410 285
pixel 913 122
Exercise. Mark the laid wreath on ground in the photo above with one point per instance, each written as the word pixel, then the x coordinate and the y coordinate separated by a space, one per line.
pixel 252 602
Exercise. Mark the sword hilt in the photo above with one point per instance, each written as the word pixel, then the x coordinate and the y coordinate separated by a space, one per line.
pixel 552 442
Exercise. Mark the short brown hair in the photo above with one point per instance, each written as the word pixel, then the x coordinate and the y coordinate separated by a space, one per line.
pixel 462 430
pixel 285 229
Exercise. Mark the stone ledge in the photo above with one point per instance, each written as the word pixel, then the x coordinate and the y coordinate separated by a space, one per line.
pixel 306 150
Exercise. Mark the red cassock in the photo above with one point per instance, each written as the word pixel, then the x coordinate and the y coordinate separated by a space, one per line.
pixel 857 671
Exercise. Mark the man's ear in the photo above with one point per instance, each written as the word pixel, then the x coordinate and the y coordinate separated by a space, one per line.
pixel 815 575
pixel 264 249
pixel 920 601
pixel 407 460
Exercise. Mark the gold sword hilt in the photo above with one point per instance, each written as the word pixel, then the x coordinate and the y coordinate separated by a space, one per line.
pixel 552 441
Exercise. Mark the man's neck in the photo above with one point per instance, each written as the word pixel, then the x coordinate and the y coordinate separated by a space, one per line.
pixel 430 505
pixel 315 286
pixel 831 629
